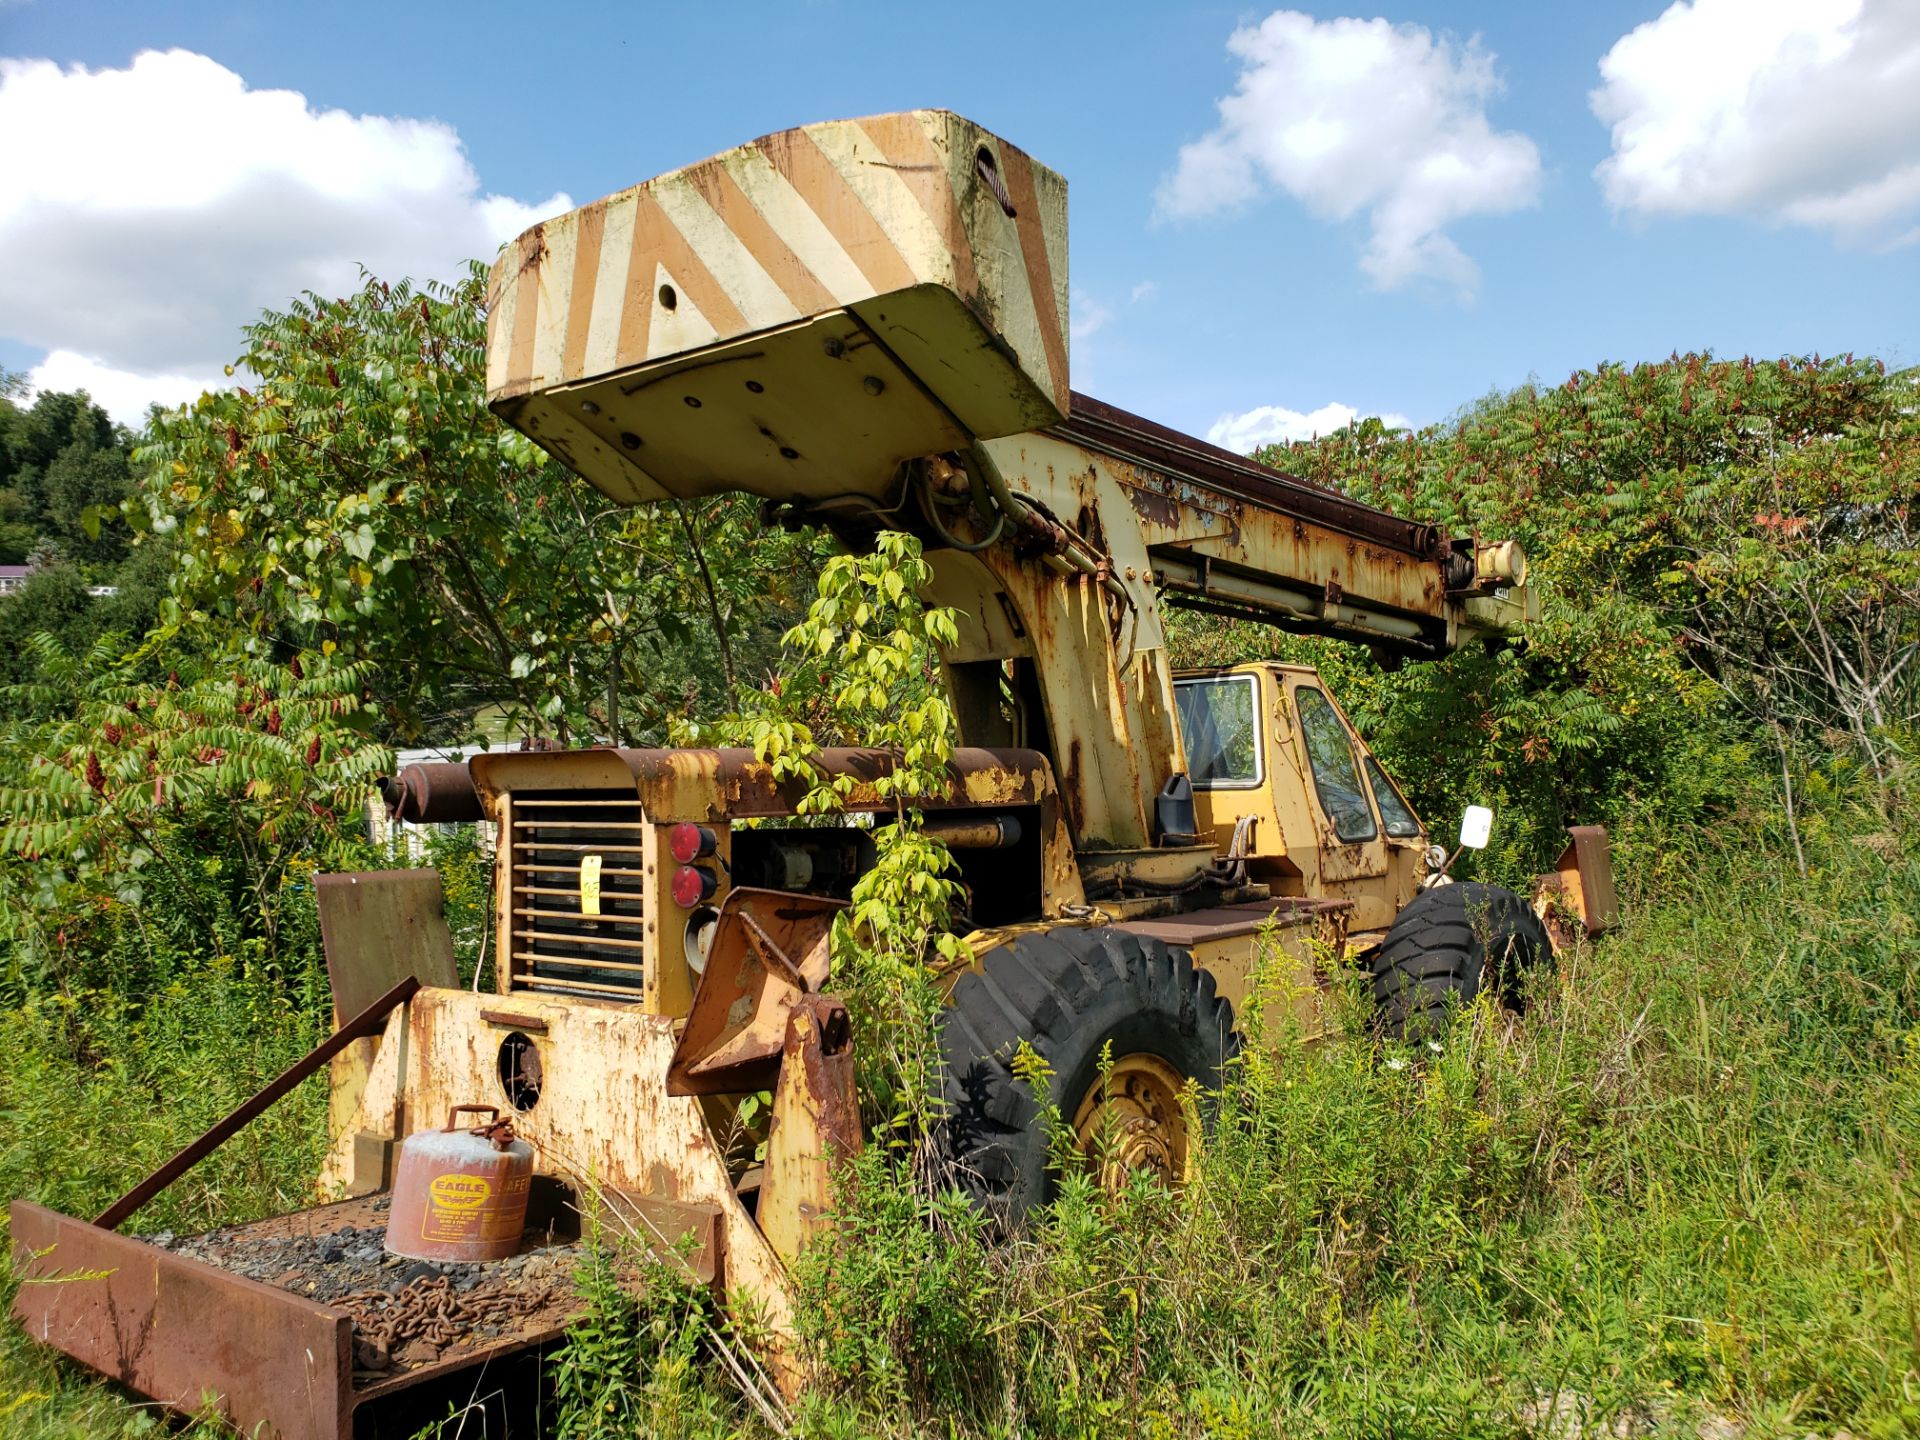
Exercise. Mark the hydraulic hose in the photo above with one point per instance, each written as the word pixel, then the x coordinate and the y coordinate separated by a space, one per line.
pixel 982 501
pixel 1058 539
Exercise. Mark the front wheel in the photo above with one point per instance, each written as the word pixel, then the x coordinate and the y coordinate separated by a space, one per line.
pixel 1072 994
pixel 1449 944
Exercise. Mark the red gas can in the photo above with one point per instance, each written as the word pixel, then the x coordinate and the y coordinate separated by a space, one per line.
pixel 461 1193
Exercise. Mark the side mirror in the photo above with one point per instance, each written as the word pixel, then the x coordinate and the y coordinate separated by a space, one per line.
pixel 1476 827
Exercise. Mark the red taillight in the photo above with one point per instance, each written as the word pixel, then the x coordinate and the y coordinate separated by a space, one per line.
pixel 690 842
pixel 692 885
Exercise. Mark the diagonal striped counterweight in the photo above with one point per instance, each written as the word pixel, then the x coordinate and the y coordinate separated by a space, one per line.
pixel 795 317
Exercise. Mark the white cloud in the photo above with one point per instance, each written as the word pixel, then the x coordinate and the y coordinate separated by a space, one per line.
pixel 121 393
pixel 1361 116
pixel 1775 109
pixel 147 213
pixel 1086 315
pixel 1145 290
pixel 1248 430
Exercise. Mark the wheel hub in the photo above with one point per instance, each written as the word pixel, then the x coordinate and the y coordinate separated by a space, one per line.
pixel 1133 1122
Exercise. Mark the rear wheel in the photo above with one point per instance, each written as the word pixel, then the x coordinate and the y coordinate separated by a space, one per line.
pixel 1071 994
pixel 1449 944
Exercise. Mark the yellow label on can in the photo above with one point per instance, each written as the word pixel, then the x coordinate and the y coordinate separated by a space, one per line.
pixel 459 1191
pixel 589 884
pixel 455 1212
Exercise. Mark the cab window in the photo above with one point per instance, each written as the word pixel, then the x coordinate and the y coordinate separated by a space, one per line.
pixel 1336 776
pixel 1394 812
pixel 1218 720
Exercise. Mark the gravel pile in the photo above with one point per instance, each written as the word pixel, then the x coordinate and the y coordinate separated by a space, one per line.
pixel 351 1264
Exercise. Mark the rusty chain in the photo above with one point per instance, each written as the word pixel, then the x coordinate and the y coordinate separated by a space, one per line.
pixel 432 1310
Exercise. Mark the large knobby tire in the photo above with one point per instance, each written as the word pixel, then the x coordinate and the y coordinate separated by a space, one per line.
pixel 1069 993
pixel 1449 944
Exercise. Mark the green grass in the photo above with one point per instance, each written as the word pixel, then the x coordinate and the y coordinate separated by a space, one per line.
pixel 100 1088
pixel 1681 1188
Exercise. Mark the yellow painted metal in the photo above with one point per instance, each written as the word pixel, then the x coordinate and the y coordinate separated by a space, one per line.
pixel 604 1120
pixel 1294 847
pixel 1135 1121
pixel 815 1127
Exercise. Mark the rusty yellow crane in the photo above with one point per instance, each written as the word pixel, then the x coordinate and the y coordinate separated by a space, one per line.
pixel 865 323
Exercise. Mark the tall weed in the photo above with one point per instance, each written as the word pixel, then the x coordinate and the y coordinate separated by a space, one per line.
pixel 1683 1185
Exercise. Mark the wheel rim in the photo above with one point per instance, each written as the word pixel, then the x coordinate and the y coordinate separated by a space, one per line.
pixel 1132 1122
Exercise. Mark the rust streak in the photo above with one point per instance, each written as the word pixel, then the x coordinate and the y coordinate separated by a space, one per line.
pixel 591 226
pixel 526 304
pixel 1033 249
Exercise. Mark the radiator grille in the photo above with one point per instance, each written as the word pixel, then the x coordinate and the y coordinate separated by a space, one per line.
pixel 555 948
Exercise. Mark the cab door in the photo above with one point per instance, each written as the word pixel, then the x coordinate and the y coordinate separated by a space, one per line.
pixel 1324 754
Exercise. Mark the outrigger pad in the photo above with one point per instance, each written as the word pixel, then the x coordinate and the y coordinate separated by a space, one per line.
pixel 769 950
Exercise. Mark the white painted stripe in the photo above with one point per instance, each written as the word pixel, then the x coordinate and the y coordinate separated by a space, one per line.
pixel 755 293
pixel 1053 225
pixel 609 298
pixel 793 220
pixel 888 199
pixel 556 288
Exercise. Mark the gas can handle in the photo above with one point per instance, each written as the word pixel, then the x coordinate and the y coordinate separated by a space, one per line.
pixel 492 1112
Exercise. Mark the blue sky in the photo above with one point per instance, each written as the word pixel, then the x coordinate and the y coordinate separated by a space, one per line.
pixel 1187 311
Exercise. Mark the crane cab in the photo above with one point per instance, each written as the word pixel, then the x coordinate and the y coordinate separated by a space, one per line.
pixel 1282 779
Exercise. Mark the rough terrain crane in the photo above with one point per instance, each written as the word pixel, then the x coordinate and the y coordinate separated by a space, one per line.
pixel 866 324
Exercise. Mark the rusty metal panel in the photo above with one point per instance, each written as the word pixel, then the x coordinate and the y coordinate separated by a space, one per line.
pixel 1116 432
pixel 815 1125
pixel 603 1116
pixel 1586 868
pixel 380 927
pixel 1227 922
pixel 769 951
pixel 179 1330
pixel 679 1234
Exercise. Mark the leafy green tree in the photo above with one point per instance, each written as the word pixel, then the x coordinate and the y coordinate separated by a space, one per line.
pixel 354 495
pixel 182 799
pixel 63 465
pixel 1689 524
